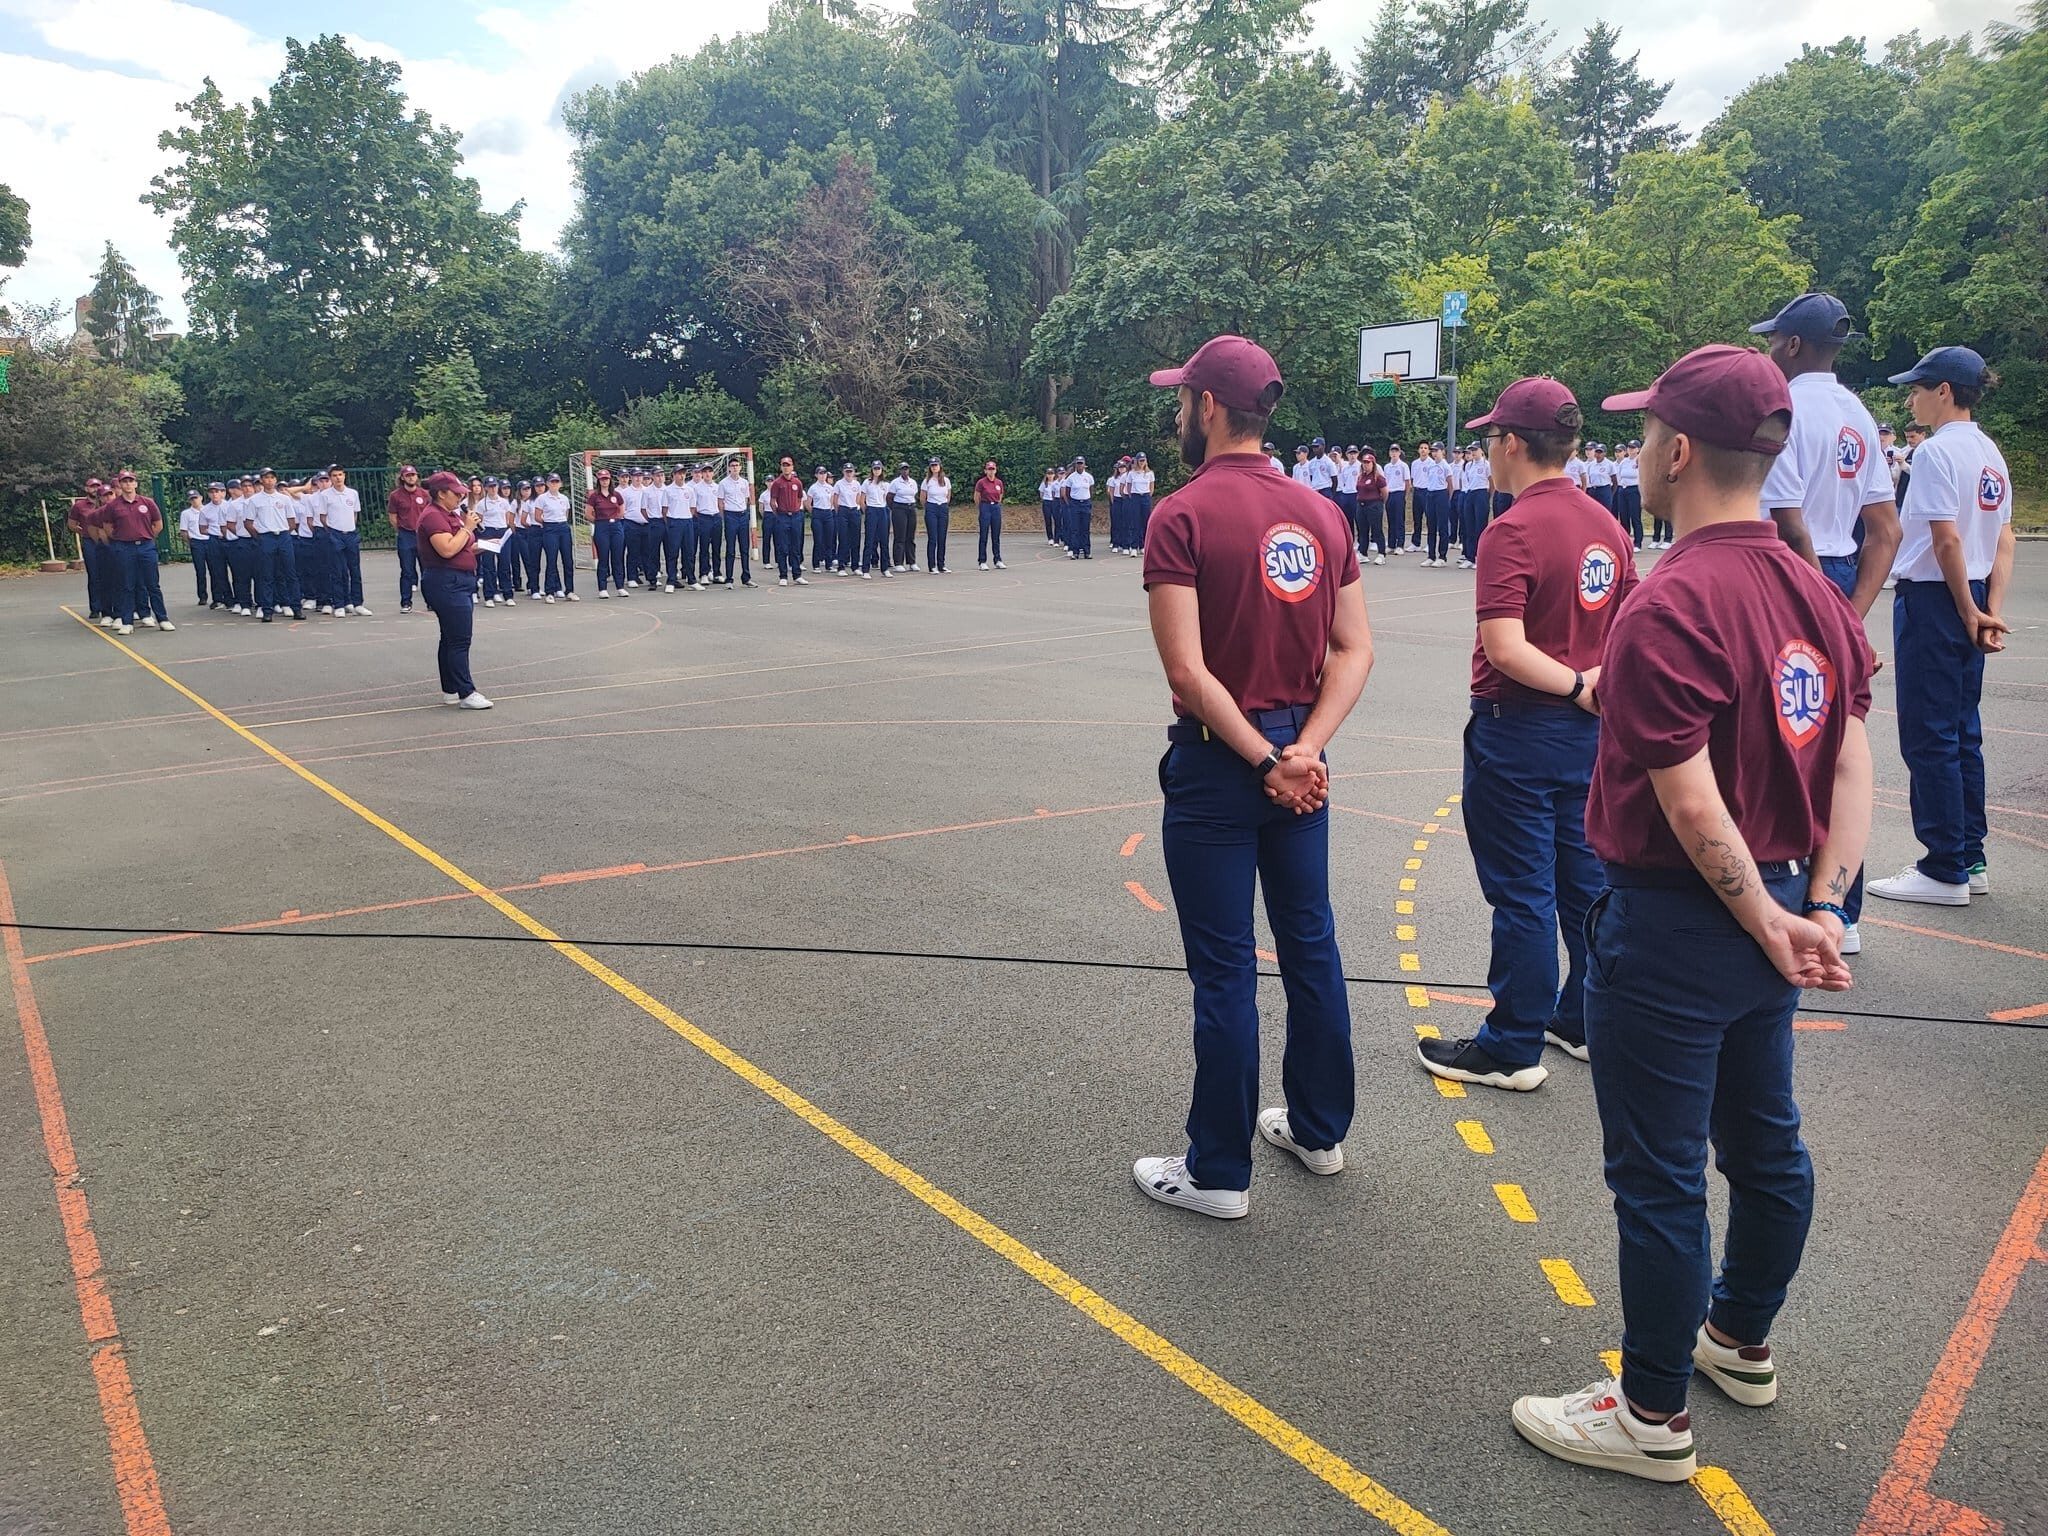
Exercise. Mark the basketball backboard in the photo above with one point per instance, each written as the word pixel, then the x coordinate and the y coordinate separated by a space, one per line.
pixel 1407 350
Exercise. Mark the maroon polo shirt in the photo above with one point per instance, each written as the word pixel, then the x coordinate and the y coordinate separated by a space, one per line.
pixel 1267 558
pixel 786 493
pixel 404 507
pixel 1735 644
pixel 433 521
pixel 79 518
pixel 608 506
pixel 1556 560
pixel 131 520
pixel 988 490
pixel 1372 485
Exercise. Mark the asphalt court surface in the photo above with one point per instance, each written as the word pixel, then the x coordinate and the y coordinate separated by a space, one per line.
pixel 433 1236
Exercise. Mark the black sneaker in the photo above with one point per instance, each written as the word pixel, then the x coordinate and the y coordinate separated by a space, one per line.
pixel 1576 1049
pixel 266 615
pixel 1462 1061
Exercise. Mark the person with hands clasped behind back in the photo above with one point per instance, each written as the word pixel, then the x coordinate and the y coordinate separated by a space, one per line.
pixel 1252 584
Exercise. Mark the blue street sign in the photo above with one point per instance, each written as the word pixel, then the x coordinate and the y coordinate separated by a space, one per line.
pixel 1454 308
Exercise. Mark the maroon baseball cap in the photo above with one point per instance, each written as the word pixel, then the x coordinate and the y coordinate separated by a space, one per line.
pixel 1719 394
pixel 1240 373
pixel 1532 405
pixel 443 480
pixel 407 469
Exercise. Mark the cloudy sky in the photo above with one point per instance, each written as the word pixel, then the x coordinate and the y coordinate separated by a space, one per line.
pixel 86 85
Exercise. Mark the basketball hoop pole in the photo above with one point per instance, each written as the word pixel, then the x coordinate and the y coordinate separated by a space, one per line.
pixel 1451 426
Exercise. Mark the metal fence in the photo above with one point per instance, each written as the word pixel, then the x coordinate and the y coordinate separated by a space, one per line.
pixel 372 482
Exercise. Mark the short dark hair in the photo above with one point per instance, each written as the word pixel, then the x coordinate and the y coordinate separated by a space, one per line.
pixel 1737 470
pixel 1966 396
pixel 1252 423
pixel 1550 449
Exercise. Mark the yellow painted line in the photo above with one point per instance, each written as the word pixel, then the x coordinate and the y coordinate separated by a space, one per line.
pixel 1449 1089
pixel 1729 1503
pixel 1411 962
pixel 1514 1202
pixel 1408 884
pixel 1412 864
pixel 1405 932
pixel 1433 826
pixel 1443 810
pixel 1404 909
pixel 1255 1416
pixel 1571 1290
pixel 1428 1032
pixel 1422 845
pixel 1418 997
pixel 1475 1138
pixel 1611 1358
pixel 1454 799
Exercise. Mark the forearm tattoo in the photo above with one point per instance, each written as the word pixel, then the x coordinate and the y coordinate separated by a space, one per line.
pixel 1840 881
pixel 1726 869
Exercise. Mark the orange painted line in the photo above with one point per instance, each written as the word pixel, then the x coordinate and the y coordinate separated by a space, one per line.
pixel 1399 821
pixel 290 919
pixel 2015 1015
pixel 1820 1024
pixel 1266 955
pixel 572 876
pixel 1131 844
pixel 1955 938
pixel 142 1501
pixel 1903 1504
pixel 1145 896
pixel 1459 997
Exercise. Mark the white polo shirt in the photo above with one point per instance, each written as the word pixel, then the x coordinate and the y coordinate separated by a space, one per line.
pixel 1599 472
pixel 1141 482
pixel 1322 474
pixel 1080 486
pixel 1347 477
pixel 1396 473
pixel 736 493
pixel 704 497
pixel 1832 467
pixel 270 511
pixel 344 509
pixel 875 493
pixel 849 491
pixel 192 523
pixel 1959 477
pixel 938 491
pixel 903 489
pixel 1628 471
pixel 554 507
pixel 1575 471
pixel 822 494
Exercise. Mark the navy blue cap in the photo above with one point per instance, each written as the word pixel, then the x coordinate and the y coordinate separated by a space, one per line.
pixel 267 471
pixel 215 485
pixel 1811 316
pixel 1141 458
pixel 554 479
pixel 332 468
pixel 1267 446
pixel 1946 365
pixel 1317 441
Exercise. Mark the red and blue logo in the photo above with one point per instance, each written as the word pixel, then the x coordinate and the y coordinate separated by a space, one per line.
pixel 1850 450
pixel 1599 577
pixel 1806 692
pixel 1990 489
pixel 1291 562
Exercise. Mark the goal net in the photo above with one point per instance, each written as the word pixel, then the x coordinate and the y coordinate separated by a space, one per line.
pixel 583 468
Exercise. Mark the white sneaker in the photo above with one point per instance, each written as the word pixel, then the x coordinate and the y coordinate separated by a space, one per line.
pixel 1273 1127
pixel 451 698
pixel 509 602
pixel 1595 1429
pixel 1464 564
pixel 1980 880
pixel 867 575
pixel 572 597
pixel 634 582
pixel 602 593
pixel 167 626
pixel 1576 1049
pixel 1749 1375
pixel 124 629
pixel 782 581
pixel 549 599
pixel 803 581
pixel 475 701
pixel 490 602
pixel 1000 566
pixel 1852 940
pixel 668 586
pixel 329 608
pixel 984 564
pixel 1379 559
pixel 1909 884
pixel 147 621
pixel 108 621
pixel 1166 1180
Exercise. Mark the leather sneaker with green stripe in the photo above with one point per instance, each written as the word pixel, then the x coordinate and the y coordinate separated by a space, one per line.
pixel 1748 1374
pixel 1596 1429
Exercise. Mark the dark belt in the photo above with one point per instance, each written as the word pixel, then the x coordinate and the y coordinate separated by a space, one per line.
pixel 1292 717
pixel 1638 877
pixel 1498 707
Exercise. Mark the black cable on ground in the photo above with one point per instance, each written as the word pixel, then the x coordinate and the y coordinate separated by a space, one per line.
pixel 863 953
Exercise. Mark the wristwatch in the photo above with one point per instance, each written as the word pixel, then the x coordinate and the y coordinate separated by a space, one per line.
pixel 1578 687
pixel 1269 762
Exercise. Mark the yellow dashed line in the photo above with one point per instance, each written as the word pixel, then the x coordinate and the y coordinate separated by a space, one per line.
pixel 1729 1503
pixel 1571 1290
pixel 1408 882
pixel 1449 1089
pixel 1514 1202
pixel 1405 932
pixel 1418 997
pixel 1422 845
pixel 1454 799
pixel 1404 908
pixel 1443 810
pixel 1432 826
pixel 1428 1032
pixel 1611 1358
pixel 1412 864
pixel 1411 962
pixel 1475 1137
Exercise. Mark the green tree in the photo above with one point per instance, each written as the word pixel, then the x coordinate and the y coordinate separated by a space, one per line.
pixel 1974 265
pixel 1820 134
pixel 331 247
pixel 123 318
pixel 1227 43
pixel 454 425
pixel 1603 105
pixel 1264 213
pixel 14 240
pixel 68 414
pixel 1682 257
pixel 1495 181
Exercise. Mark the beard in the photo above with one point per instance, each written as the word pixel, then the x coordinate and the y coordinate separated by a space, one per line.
pixel 1194 444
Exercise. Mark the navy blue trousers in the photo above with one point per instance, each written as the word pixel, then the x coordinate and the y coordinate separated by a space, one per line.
pixel 1222 839
pixel 1690 1029
pixel 408 565
pixel 610 540
pixel 938 521
pixel 558 551
pixel 452 597
pixel 1940 682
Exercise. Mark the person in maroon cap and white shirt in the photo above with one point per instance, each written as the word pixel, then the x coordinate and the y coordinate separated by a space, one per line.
pixel 1260 623
pixel 1731 802
pixel 1554 570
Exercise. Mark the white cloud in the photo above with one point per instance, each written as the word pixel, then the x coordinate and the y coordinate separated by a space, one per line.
pixel 78 132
